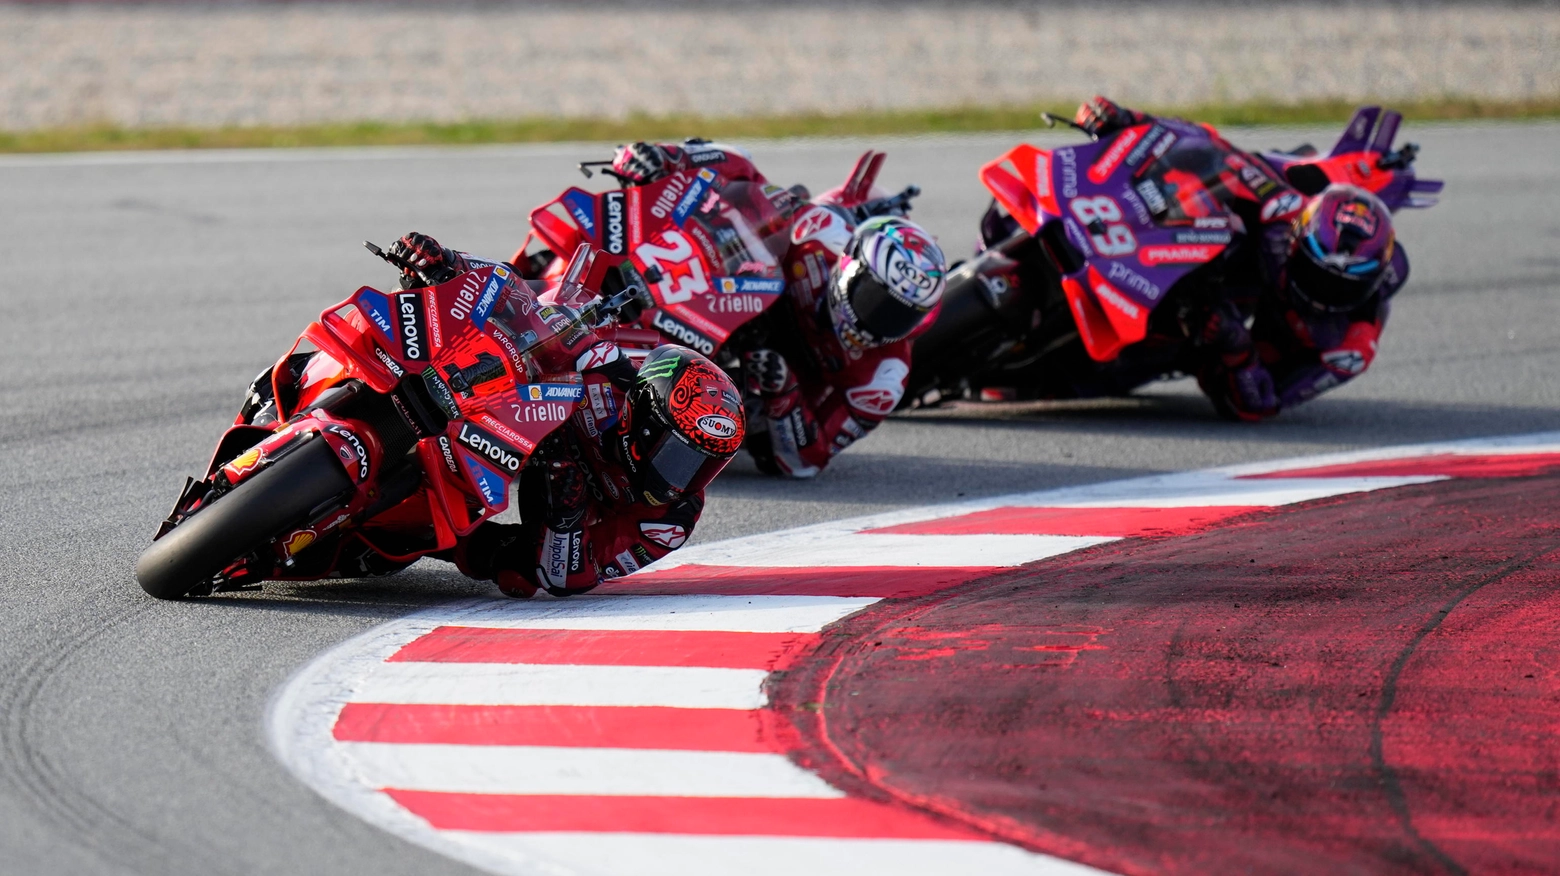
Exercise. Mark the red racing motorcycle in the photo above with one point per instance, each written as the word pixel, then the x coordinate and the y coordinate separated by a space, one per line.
pixel 402 419
pixel 709 250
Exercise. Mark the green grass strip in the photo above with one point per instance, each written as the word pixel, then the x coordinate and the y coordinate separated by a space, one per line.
pixel 540 130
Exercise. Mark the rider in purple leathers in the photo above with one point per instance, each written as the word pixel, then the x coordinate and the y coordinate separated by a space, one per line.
pixel 1322 271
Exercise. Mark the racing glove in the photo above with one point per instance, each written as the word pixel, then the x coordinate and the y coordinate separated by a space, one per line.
pixel 1101 116
pixel 1224 334
pixel 768 374
pixel 431 263
pixel 1241 393
pixel 640 163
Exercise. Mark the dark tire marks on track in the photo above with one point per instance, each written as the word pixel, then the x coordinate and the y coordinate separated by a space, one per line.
pixel 1367 684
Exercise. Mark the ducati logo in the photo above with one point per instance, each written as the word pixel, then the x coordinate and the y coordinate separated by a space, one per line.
pixel 667 535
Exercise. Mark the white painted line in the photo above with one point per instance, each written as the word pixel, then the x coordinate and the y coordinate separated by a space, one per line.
pixel 523 684
pixel 679 855
pixel 1179 491
pixel 524 769
pixel 859 549
pixel 738 614
pixel 837 540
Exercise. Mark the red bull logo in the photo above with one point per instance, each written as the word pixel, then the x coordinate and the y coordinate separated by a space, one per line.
pixel 1357 215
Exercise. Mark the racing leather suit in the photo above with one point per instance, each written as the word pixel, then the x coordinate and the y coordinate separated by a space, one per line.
pixel 581 523
pixel 1291 352
pixel 809 396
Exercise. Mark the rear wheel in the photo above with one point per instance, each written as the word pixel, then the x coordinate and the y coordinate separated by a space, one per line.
pixel 241 520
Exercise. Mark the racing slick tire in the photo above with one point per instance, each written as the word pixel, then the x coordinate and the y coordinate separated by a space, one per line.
pixel 241 520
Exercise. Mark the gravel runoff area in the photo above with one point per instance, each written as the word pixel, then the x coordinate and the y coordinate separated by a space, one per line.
pixel 261 64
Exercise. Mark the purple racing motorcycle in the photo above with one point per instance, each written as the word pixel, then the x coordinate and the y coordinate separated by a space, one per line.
pixel 1096 260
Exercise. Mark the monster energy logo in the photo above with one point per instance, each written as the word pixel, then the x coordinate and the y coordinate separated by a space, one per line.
pixel 660 368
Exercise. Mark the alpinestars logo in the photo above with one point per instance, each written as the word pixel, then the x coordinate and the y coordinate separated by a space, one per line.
pixel 597 356
pixel 1282 207
pixel 1345 361
pixel 413 325
pixel 486 444
pixel 667 535
pixel 616 242
pixel 879 396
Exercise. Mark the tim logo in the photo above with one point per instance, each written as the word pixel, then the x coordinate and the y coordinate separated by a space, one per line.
pixel 412 326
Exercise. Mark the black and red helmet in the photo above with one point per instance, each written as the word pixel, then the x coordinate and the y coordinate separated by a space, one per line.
pixel 685 423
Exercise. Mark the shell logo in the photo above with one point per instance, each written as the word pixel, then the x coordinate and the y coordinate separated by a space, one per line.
pixel 298 541
pixel 243 464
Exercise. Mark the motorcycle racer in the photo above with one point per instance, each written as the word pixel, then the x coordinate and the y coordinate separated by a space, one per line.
pixel 826 367
pixel 1320 271
pixel 618 486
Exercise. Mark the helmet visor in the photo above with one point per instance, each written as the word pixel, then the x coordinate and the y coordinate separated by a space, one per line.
pixel 877 312
pixel 677 468
pixel 1335 290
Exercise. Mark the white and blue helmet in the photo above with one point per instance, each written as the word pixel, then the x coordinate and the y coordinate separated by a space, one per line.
pixel 889 278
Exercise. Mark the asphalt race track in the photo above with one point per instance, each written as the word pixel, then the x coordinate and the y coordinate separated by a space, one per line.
pixel 141 293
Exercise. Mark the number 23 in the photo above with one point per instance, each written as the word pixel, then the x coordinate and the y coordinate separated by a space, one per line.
pixel 682 273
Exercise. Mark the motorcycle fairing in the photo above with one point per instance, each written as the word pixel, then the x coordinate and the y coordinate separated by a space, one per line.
pixel 465 341
pixel 700 240
pixel 1363 157
pixel 1130 254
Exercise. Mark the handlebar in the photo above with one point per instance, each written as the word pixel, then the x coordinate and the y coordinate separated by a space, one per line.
pixel 395 261
pixel 1399 160
pixel 623 306
pixel 893 205
pixel 605 167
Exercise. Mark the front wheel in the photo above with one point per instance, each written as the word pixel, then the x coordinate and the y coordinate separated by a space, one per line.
pixel 241 520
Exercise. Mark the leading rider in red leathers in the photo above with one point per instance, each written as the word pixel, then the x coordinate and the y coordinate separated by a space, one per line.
pixel 618 486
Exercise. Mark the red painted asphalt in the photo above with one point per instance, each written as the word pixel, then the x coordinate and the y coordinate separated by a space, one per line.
pixel 1363 684
pixel 1124 522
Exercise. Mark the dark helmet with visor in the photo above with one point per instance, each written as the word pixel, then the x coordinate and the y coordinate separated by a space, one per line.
pixel 891 275
pixel 685 423
pixel 1343 246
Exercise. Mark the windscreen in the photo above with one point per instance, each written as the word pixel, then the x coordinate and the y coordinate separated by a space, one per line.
pixel 751 226
pixel 1194 179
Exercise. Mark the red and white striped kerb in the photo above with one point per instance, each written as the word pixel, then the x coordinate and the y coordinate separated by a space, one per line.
pixel 626 732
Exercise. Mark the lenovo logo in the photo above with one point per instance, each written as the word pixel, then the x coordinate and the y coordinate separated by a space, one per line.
pixel 413 326
pixel 614 231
